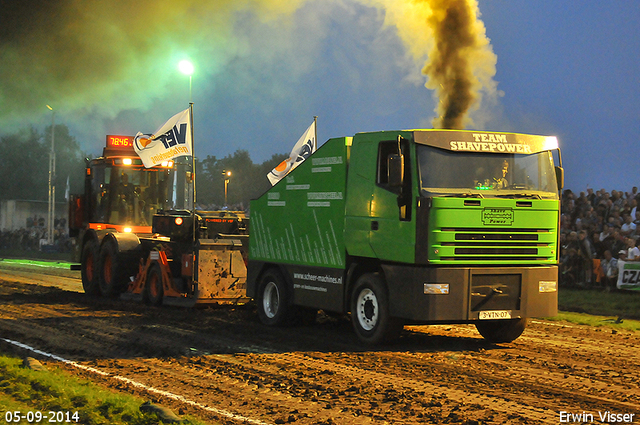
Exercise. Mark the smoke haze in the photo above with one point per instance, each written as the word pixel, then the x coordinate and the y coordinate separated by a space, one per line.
pixel 109 56
pixel 103 60
pixel 461 64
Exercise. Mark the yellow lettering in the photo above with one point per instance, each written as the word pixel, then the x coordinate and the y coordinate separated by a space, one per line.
pixel 492 147
pixel 510 147
pixel 501 147
pixel 476 146
pixel 485 146
pixel 476 137
pixel 485 138
pixel 501 138
pixel 453 146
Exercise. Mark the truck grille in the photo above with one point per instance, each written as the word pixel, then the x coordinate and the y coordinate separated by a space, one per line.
pixel 480 244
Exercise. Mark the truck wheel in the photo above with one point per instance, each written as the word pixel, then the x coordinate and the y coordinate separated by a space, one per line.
pixel 498 331
pixel 272 299
pixel 370 311
pixel 153 288
pixel 89 268
pixel 111 276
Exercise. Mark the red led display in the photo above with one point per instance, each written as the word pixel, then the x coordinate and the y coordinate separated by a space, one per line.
pixel 119 142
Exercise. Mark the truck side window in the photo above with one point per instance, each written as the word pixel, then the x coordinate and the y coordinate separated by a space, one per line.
pixel 385 150
pixel 100 191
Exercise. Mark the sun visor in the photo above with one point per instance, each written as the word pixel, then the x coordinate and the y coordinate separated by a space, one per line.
pixel 485 142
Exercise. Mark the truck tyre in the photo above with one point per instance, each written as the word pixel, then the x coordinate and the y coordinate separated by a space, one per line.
pixel 112 277
pixel 499 331
pixel 370 311
pixel 153 288
pixel 273 299
pixel 89 268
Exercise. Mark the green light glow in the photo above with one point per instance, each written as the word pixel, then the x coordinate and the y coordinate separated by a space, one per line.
pixel 186 67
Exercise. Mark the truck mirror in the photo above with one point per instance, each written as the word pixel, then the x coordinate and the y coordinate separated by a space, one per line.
pixel 395 167
pixel 560 177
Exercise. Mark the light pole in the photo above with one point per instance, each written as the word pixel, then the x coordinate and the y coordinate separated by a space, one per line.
pixel 227 177
pixel 52 184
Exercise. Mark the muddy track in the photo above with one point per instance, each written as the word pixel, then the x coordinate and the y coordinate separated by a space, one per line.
pixel 224 359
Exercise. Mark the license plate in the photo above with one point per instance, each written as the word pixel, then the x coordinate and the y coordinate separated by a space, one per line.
pixel 495 314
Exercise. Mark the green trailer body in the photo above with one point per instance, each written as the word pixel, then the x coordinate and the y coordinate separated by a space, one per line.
pixel 300 223
pixel 413 226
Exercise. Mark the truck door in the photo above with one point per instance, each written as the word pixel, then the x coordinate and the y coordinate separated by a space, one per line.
pixel 392 235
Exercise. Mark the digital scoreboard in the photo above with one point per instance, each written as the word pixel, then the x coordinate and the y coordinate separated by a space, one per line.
pixel 119 142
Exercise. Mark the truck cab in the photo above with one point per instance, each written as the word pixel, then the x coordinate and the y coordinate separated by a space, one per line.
pixel 467 229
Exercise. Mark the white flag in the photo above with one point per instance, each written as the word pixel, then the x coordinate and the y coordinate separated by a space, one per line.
pixel 66 191
pixel 305 146
pixel 169 141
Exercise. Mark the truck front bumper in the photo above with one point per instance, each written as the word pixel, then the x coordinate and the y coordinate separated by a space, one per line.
pixel 466 294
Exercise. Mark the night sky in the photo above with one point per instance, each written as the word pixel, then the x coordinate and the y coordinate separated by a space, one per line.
pixel 264 68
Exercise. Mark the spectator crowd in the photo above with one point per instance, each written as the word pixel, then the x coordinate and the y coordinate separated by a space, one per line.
pixel 34 235
pixel 596 230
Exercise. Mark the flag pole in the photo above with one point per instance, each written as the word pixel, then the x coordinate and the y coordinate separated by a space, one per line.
pixel 193 173
pixel 315 127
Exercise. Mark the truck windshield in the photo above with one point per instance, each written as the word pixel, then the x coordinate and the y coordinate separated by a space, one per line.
pixel 132 195
pixel 486 175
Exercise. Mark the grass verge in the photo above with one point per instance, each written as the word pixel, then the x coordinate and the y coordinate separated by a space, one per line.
pixel 618 310
pixel 597 321
pixel 36 255
pixel 55 264
pixel 26 390
pixel 618 304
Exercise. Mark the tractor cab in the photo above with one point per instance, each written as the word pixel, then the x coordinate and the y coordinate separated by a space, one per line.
pixel 121 194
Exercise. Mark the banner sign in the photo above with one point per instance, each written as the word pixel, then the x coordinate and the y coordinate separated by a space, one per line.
pixel 629 275
pixel 485 142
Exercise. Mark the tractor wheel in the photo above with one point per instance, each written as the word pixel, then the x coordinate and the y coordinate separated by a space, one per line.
pixel 370 311
pixel 89 268
pixel 498 331
pixel 273 299
pixel 153 288
pixel 112 276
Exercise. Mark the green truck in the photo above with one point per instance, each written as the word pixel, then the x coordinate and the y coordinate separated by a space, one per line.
pixel 412 227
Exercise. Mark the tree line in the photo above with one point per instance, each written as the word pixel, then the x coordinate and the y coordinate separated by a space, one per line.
pixel 247 180
pixel 24 170
pixel 24 164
